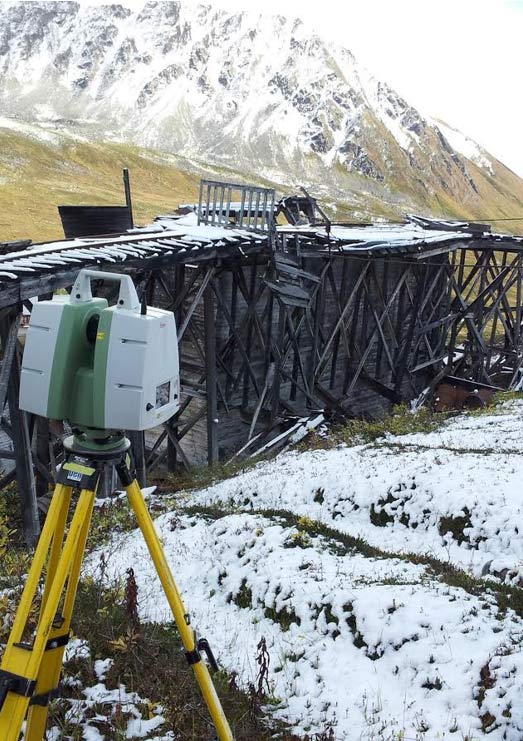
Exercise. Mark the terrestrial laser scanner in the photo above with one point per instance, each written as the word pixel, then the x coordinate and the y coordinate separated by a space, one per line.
pixel 99 366
pixel 105 369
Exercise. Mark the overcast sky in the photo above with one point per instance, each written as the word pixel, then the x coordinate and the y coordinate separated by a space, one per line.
pixel 459 60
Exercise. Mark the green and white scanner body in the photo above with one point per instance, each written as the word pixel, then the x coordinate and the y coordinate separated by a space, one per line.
pixel 100 366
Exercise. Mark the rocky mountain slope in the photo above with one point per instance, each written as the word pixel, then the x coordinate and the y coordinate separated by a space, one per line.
pixel 262 95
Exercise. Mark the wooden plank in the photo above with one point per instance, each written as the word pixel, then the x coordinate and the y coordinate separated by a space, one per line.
pixel 268 383
pixel 251 297
pixel 10 329
pixel 279 368
pixel 179 450
pixel 210 376
pixel 196 300
pixel 372 336
pixel 348 305
pixel 137 439
pixel 289 292
pixel 24 463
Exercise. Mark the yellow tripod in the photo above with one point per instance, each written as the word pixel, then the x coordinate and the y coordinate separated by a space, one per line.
pixel 31 666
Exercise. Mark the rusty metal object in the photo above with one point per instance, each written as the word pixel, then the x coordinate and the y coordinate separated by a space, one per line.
pixel 449 396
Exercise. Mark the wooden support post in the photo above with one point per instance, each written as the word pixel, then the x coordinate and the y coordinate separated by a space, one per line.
pixel 9 339
pixel 232 330
pixel 179 287
pixel 210 376
pixel 22 448
pixel 278 368
pixel 138 450
pixel 107 483
pixel 171 450
pixel 248 344
pixel 127 189
pixel 414 317
pixel 42 455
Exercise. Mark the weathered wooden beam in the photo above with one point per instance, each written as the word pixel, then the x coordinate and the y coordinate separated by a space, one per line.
pixel 348 305
pixel 298 362
pixel 248 342
pixel 137 439
pixel 211 376
pixel 196 300
pixel 10 327
pixel 415 318
pixel 179 290
pixel 279 366
pixel 342 327
pixel 22 447
pixel 372 338
pixel 42 455
pixel 179 450
pixel 244 350
pixel 318 307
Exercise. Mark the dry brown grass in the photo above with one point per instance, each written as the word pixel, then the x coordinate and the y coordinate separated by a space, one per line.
pixel 35 177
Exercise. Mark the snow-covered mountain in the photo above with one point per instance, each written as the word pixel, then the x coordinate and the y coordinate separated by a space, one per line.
pixel 260 94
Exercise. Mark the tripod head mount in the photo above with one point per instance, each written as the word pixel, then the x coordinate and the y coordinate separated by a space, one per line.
pixel 104 369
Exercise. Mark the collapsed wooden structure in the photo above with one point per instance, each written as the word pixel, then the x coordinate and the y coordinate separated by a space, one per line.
pixel 278 321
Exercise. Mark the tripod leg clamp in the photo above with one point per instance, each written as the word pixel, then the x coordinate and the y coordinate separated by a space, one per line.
pixel 194 656
pixel 25 687
pixel 15 683
pixel 57 642
pixel 45 698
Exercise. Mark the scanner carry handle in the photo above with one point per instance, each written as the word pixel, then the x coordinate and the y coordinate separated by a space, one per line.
pixel 81 291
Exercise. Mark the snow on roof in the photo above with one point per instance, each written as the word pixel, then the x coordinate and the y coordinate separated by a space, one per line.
pixel 187 225
pixel 374 236
pixel 380 236
pixel 171 233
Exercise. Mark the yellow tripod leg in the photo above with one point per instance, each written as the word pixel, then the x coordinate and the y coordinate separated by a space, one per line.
pixel 201 671
pixel 23 662
pixel 14 659
pixel 52 660
pixel 60 502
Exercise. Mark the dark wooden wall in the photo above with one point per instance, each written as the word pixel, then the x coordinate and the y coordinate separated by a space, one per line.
pixel 277 335
pixel 303 333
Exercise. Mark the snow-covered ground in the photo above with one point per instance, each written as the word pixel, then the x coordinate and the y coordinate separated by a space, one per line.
pixel 375 644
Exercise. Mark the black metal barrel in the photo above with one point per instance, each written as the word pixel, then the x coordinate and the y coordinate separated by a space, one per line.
pixel 87 221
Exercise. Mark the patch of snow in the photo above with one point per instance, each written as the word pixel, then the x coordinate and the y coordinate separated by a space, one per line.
pixel 465 146
pixel 140 728
pixel 87 712
pixel 77 648
pixel 353 641
pixel 33 132
pixel 358 643
pixel 101 667
pixel 424 478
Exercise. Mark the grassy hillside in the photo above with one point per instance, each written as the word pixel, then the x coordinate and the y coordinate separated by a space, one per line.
pixel 37 175
pixel 40 170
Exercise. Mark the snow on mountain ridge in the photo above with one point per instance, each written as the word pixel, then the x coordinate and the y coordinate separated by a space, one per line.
pixel 466 146
pixel 261 93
